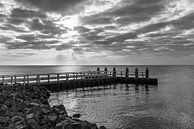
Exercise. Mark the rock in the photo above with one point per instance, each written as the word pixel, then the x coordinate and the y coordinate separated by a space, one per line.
pixel 21 127
pixel 45 110
pixel 29 116
pixel 4 121
pixel 3 110
pixel 102 127
pixel 59 126
pixel 52 117
pixel 68 119
pixel 60 109
pixel 76 115
pixel 32 123
pixel 17 119
pixel 24 107
pixel 2 98
pixel 43 120
pixel 92 126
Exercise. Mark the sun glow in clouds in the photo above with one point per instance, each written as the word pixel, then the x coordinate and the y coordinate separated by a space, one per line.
pixel 69 21
pixel 98 6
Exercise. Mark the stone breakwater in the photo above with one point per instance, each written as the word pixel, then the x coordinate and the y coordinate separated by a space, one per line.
pixel 28 108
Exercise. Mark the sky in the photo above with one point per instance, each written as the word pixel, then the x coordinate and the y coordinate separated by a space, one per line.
pixel 85 32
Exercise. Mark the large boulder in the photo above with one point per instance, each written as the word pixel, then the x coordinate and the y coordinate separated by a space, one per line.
pixel 60 109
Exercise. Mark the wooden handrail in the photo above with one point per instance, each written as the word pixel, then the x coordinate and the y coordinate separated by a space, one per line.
pixel 50 77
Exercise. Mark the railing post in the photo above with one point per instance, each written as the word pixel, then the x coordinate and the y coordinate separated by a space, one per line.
pixel 37 79
pixel 76 75
pixel 3 79
pixel 98 70
pixel 121 74
pixel 114 72
pixel 147 73
pixel 127 72
pixel 48 78
pixel 28 79
pixel 11 80
pixel 105 70
pixel 15 79
pixel 67 76
pixel 57 77
pixel 136 73
pixel 24 80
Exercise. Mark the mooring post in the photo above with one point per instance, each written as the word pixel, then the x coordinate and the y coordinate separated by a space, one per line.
pixel 127 72
pixel 136 73
pixel 147 73
pixel 114 72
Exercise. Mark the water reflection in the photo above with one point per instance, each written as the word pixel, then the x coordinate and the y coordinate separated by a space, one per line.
pixel 104 103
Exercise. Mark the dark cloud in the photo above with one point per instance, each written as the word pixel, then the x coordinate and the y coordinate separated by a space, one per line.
pixel 19 16
pixel 122 37
pixel 46 27
pixel 2 18
pixel 4 39
pixel 93 35
pixel 12 28
pixel 1 5
pixel 96 19
pixel 35 45
pixel 61 6
pixel 185 22
pixel 63 47
pixel 21 13
pixel 82 29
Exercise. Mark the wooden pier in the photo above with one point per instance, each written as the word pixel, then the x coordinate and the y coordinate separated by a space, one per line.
pixel 73 80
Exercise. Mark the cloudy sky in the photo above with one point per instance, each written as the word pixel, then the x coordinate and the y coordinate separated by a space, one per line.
pixel 96 32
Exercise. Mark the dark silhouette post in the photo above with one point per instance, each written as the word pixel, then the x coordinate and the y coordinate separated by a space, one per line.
pixel 136 73
pixel 98 70
pixel 114 72
pixel 147 73
pixel 127 72
pixel 105 70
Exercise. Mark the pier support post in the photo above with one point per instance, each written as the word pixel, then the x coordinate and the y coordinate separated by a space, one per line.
pixel 127 72
pixel 136 73
pixel 147 73
pixel 114 72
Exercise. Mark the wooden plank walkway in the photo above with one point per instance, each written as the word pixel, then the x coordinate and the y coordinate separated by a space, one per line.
pixel 71 80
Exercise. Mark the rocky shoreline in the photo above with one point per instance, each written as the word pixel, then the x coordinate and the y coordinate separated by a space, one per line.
pixel 27 107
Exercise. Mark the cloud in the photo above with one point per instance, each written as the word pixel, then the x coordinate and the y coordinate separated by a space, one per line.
pixel 95 28
pixel 60 6
pixel 23 13
pixel 46 27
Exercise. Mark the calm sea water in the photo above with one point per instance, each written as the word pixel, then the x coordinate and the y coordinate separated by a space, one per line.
pixel 170 105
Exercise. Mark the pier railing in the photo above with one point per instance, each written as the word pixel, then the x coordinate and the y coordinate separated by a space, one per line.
pixel 59 77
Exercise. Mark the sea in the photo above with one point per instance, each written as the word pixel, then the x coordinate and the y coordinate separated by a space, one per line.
pixel 169 105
